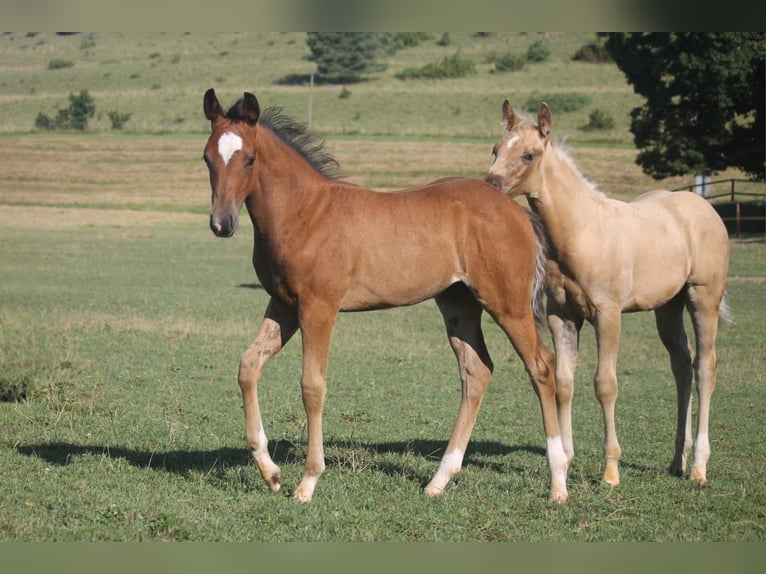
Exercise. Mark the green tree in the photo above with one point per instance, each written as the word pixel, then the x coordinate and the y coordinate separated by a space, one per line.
pixel 345 57
pixel 705 99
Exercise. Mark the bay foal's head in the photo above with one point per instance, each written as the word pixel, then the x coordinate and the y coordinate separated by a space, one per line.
pixel 517 155
pixel 230 157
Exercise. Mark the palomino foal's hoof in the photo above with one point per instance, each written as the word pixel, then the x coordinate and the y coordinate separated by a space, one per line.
pixel 611 476
pixel 697 476
pixel 433 491
pixel 560 497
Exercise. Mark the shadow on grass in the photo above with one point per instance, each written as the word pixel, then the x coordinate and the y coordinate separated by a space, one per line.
pixel 215 463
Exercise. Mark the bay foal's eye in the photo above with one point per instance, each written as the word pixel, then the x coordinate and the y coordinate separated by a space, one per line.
pixel 249 162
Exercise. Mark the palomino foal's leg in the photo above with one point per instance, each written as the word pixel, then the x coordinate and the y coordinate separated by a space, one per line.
pixel 607 326
pixel 566 334
pixel 316 328
pixel 670 326
pixel 462 317
pixel 279 324
pixel 703 305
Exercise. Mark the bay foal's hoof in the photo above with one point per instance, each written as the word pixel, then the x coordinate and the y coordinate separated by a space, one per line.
pixel 273 478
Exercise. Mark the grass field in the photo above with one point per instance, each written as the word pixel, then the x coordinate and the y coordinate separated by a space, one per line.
pixel 122 320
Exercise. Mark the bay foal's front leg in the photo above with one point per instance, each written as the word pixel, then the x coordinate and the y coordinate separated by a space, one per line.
pixel 316 321
pixel 278 326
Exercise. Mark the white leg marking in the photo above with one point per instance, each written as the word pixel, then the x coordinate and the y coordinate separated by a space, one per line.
pixel 558 463
pixel 228 143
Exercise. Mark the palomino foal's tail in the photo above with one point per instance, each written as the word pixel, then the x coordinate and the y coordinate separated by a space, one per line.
pixel 538 286
pixel 725 313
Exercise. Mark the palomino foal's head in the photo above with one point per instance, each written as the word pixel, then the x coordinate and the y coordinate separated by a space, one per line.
pixel 230 158
pixel 517 154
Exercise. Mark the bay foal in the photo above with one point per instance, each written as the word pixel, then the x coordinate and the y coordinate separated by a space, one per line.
pixel 322 246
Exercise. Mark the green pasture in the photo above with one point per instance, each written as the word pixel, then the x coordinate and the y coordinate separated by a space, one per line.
pixel 124 335
pixel 160 79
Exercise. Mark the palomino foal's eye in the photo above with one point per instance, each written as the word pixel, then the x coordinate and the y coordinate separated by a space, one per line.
pixel 527 158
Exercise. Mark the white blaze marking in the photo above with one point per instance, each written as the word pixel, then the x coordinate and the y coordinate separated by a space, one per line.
pixel 228 143
pixel 512 142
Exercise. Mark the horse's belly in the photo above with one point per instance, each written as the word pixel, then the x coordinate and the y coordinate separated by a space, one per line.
pixel 395 290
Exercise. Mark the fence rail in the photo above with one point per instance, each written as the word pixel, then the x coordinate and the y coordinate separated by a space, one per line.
pixel 741 211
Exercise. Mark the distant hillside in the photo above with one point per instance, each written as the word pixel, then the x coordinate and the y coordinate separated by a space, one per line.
pixel 160 78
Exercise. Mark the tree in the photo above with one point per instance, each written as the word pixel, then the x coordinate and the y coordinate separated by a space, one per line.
pixel 705 98
pixel 346 56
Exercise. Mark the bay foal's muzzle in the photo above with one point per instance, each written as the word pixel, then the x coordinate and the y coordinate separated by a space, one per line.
pixel 224 226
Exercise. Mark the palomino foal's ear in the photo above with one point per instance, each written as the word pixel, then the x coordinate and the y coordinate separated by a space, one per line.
pixel 509 116
pixel 211 106
pixel 250 110
pixel 545 120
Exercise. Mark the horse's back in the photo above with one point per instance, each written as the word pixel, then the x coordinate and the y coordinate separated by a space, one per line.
pixel 693 220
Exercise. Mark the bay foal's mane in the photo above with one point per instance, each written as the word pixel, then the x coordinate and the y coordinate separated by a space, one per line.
pixel 295 134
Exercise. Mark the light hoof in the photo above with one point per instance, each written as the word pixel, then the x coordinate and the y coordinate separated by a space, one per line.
pixel 698 476
pixel 274 479
pixel 558 496
pixel 433 490
pixel 611 476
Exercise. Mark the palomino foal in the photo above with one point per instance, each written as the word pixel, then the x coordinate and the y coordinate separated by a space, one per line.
pixel 322 246
pixel 662 252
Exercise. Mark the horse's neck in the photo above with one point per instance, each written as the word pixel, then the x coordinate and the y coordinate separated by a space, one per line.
pixel 285 185
pixel 562 198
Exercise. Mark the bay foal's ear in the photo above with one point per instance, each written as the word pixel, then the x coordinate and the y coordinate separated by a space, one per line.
pixel 249 109
pixel 544 120
pixel 510 118
pixel 211 106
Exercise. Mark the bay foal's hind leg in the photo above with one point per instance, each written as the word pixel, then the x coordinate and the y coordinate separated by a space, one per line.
pixel 462 318
pixel 539 364
pixel 278 326
pixel 703 303
pixel 670 326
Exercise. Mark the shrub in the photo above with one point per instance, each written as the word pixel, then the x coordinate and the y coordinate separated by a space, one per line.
pixel 509 62
pixel 538 51
pixel 74 117
pixel 118 119
pixel 58 64
pixel 594 52
pixel 599 120
pixel 455 66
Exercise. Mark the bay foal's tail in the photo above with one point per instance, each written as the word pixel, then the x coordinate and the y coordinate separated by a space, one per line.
pixel 538 286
